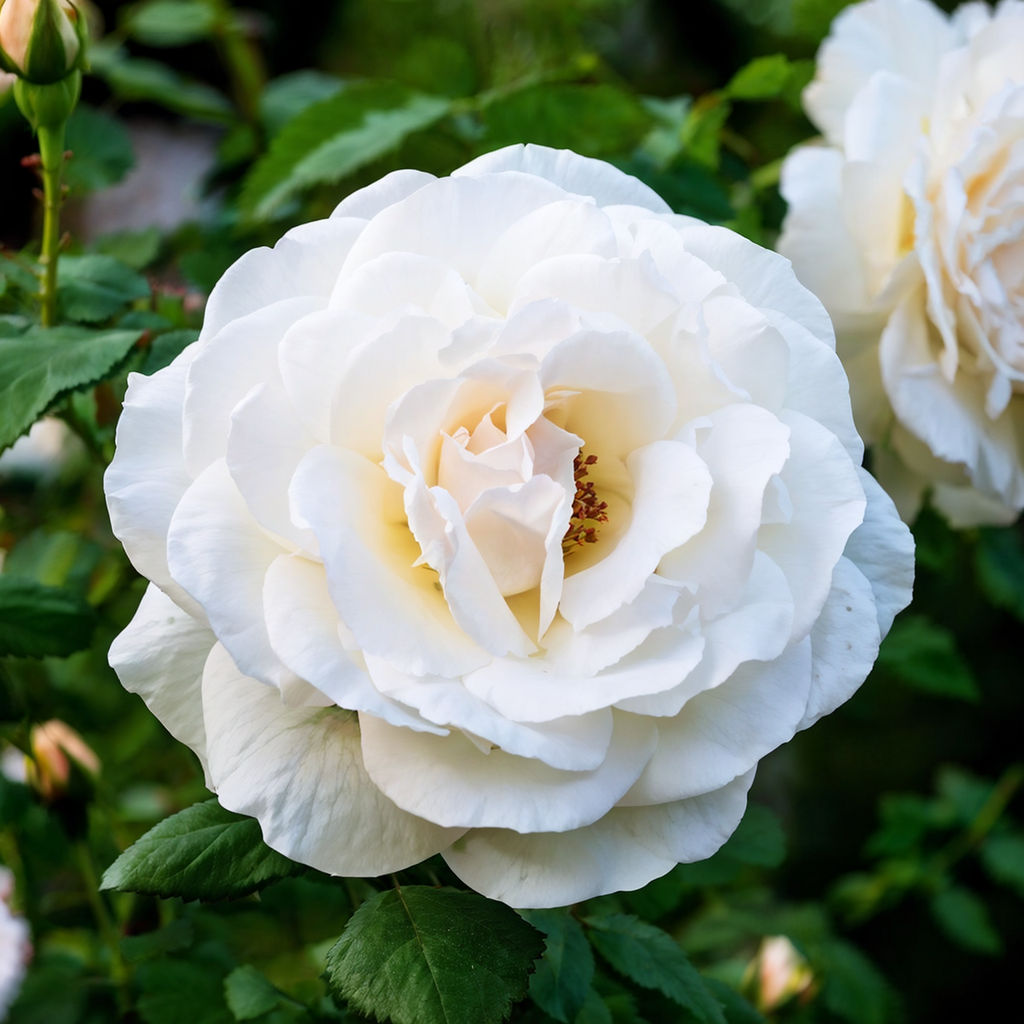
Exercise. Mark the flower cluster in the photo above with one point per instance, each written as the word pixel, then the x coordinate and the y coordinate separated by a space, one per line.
pixel 507 516
pixel 907 222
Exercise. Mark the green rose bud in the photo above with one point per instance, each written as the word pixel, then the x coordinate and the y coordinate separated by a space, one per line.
pixel 42 41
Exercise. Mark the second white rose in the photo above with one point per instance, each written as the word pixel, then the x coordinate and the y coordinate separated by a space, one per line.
pixel 908 222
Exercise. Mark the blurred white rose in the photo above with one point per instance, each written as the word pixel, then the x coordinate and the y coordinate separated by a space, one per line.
pixel 507 516
pixel 908 222
pixel 15 947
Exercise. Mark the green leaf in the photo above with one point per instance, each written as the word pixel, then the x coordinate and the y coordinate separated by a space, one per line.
pixel 176 935
pixel 433 956
pixel 653 959
pixel 763 78
pixel 249 994
pixel 737 1009
pixel 560 984
pixel 594 1010
pixel 595 120
pixel 172 22
pixel 201 853
pixel 702 130
pixel 43 364
pixel 138 79
pixel 965 792
pixel 906 820
pixel 852 987
pixel 964 918
pixel 174 991
pixel 1003 857
pixel 38 621
pixel 56 558
pixel 94 287
pixel 335 137
pixel 758 839
pixel 101 150
pixel 923 655
pixel 289 95
pixel 166 347
pixel 136 249
pixel 1000 566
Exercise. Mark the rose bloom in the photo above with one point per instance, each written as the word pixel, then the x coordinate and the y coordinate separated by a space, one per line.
pixel 15 946
pixel 507 516
pixel 908 222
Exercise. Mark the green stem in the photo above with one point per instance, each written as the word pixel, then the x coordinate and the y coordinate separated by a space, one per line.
pixel 244 62
pixel 51 150
pixel 983 823
pixel 108 930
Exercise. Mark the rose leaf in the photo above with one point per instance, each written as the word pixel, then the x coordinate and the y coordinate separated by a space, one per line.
pixel 419 955
pixel 38 621
pixel 653 959
pixel 561 982
pixel 334 137
pixel 42 364
pixel 201 853
pixel 923 655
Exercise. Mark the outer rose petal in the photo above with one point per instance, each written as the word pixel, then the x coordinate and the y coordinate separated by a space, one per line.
pixel 305 262
pixel 219 554
pixel 579 175
pixel 171 687
pixel 724 732
pixel 627 848
pixel 883 549
pixel 908 37
pixel 299 771
pixel 147 477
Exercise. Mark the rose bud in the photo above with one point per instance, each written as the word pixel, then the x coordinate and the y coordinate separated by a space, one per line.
pixel 41 41
pixel 61 761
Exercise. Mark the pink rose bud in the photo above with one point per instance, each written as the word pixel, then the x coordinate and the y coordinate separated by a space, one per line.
pixel 778 973
pixel 57 751
pixel 41 41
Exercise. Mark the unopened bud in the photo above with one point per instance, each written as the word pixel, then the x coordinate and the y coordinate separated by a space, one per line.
pixel 41 41
pixel 778 973
pixel 61 761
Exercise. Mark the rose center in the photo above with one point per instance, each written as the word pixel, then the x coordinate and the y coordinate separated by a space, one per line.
pixel 588 512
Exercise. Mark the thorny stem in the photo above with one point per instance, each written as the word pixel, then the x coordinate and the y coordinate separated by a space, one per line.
pixel 51 151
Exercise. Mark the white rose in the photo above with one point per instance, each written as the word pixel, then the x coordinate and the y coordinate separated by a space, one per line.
pixel 15 947
pixel 907 222
pixel 360 496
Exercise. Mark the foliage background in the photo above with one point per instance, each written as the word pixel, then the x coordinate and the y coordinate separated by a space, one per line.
pixel 887 843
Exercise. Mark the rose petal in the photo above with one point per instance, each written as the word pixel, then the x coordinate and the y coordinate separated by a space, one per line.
pixel 724 732
pixel 626 849
pixel 171 687
pixel 844 642
pixel 303 627
pixel 299 771
pixel 305 262
pixel 448 780
pixel 577 174
pixel 225 370
pixel 388 602
pixel 882 548
pixel 670 504
pixel 220 555
pixel 147 477
pixel 574 743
